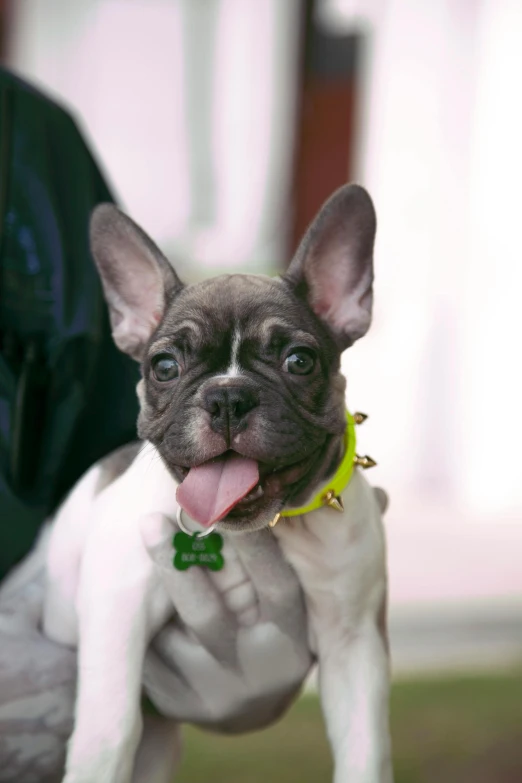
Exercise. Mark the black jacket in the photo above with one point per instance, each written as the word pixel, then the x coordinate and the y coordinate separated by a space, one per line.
pixel 67 396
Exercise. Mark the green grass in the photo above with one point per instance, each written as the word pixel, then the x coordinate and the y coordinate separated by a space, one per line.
pixel 444 730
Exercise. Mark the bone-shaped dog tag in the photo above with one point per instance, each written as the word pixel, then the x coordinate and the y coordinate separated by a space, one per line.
pixel 198 551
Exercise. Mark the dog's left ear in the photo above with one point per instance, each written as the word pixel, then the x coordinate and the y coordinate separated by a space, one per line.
pixel 137 279
pixel 333 267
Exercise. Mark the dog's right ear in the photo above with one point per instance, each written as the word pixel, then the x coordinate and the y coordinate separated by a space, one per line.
pixel 136 277
pixel 333 267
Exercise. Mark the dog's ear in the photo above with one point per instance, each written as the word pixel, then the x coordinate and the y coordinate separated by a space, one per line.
pixel 137 279
pixel 333 267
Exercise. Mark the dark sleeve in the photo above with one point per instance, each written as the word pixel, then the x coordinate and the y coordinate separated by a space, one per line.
pixel 67 396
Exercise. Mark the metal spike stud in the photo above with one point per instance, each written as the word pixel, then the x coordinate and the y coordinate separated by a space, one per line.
pixel 275 520
pixel 334 501
pixel 360 418
pixel 364 462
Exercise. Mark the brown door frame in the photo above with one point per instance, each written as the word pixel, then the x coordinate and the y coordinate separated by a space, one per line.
pixel 326 119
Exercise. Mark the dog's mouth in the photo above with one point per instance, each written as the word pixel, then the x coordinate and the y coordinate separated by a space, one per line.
pixel 232 486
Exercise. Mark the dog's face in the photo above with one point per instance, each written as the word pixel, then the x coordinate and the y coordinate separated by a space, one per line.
pixel 244 370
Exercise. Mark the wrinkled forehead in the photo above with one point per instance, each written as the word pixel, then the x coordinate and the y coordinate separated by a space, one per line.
pixel 253 305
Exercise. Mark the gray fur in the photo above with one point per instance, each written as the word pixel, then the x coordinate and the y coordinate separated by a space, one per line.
pixel 295 424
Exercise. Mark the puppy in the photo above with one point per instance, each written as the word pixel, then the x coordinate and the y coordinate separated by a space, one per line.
pixel 244 426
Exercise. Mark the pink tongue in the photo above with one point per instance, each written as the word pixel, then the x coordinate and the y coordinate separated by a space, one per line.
pixel 210 490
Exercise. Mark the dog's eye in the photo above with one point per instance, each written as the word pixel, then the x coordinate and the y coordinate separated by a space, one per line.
pixel 165 367
pixel 300 363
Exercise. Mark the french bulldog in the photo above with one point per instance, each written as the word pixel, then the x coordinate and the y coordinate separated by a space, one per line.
pixel 242 416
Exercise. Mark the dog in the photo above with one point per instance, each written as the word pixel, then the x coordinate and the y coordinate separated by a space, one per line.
pixel 243 423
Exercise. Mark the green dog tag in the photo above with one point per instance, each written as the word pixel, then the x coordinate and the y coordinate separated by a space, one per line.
pixel 198 551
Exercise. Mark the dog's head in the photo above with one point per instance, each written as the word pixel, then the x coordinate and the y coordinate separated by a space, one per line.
pixel 241 390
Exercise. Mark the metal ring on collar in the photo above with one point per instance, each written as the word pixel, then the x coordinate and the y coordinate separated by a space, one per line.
pixel 198 533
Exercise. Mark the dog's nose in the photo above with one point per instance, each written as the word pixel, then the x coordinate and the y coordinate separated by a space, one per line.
pixel 228 406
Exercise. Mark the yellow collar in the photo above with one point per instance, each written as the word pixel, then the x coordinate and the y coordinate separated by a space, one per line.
pixel 330 493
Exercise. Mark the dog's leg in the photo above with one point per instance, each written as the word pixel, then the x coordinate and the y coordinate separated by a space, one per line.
pixel 119 606
pixel 108 720
pixel 354 688
pixel 159 752
pixel 354 685
pixel 68 534
pixel 340 561
pixel 69 531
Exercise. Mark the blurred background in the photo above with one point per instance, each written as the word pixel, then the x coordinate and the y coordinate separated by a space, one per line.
pixel 223 125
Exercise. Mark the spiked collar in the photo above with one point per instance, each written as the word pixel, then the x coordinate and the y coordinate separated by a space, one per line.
pixel 330 493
